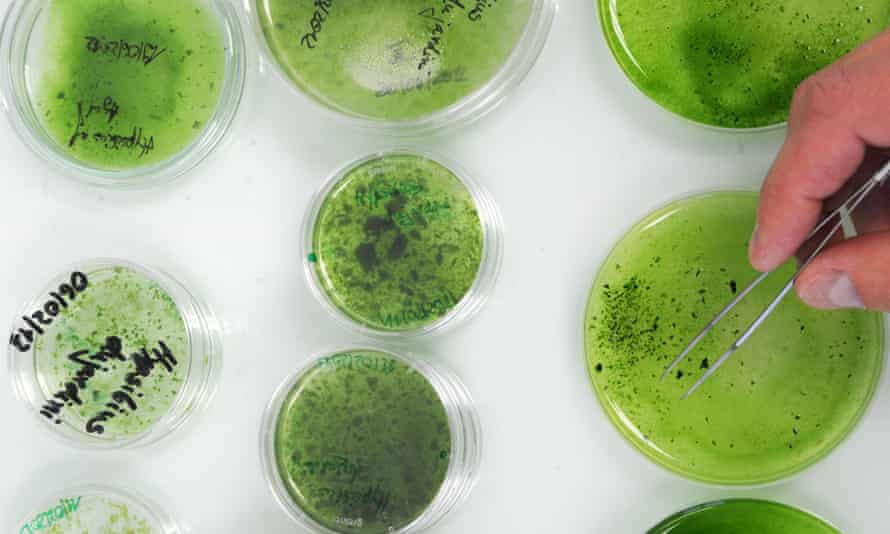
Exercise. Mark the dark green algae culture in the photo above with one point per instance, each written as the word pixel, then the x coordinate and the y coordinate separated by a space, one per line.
pixel 783 402
pixel 397 243
pixel 122 84
pixel 392 59
pixel 126 304
pixel 743 516
pixel 734 64
pixel 363 442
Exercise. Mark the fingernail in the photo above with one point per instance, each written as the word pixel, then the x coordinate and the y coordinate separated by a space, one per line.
pixel 834 290
pixel 753 248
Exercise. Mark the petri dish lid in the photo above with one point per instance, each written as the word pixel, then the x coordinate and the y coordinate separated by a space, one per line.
pixel 733 65
pixel 96 509
pixel 743 516
pixel 785 401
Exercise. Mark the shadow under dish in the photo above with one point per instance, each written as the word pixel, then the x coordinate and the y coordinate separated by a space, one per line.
pixel 782 403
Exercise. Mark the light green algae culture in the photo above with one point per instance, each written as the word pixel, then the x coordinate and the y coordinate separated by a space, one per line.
pixel 119 352
pixel 743 516
pixel 733 64
pixel 91 514
pixel 783 402
pixel 363 443
pixel 392 59
pixel 397 243
pixel 121 84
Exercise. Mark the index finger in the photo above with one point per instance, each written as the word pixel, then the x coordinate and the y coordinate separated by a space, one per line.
pixel 836 114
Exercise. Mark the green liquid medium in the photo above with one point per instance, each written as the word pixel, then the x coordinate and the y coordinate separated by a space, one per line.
pixel 363 443
pixel 122 84
pixel 729 63
pixel 123 303
pixel 397 243
pixel 743 517
pixel 392 59
pixel 783 402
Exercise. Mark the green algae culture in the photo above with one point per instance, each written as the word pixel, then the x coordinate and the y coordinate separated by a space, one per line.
pixel 785 400
pixel 392 60
pixel 397 243
pixel 733 64
pixel 123 84
pixel 93 511
pixel 110 352
pixel 743 516
pixel 362 442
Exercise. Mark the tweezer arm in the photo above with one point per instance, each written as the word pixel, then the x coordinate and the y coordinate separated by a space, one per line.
pixel 854 201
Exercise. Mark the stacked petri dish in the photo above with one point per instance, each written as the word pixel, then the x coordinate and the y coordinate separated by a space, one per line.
pixel 400 245
pixel 733 65
pixel 97 509
pixel 787 399
pixel 122 96
pixel 412 66
pixel 112 354
pixel 366 440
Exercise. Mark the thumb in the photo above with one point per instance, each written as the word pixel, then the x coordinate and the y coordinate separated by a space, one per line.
pixel 851 274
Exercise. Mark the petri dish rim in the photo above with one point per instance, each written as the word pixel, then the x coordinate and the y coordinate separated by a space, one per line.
pixel 472 107
pixel 157 515
pixel 489 266
pixel 627 437
pixel 666 522
pixel 605 8
pixel 15 97
pixel 202 335
pixel 466 439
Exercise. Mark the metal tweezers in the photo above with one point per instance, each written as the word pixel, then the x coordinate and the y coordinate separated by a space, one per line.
pixel 844 211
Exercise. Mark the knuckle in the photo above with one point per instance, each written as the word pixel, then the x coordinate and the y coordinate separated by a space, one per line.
pixel 824 93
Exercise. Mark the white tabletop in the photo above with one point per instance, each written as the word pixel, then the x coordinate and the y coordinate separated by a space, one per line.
pixel 573 158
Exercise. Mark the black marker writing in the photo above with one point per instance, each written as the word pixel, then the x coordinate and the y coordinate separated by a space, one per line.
pixel 322 10
pixel 89 365
pixel 23 338
pixel 136 140
pixel 123 400
pixel 142 51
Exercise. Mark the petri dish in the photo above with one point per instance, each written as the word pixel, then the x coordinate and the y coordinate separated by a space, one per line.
pixel 363 440
pixel 733 65
pixel 122 94
pixel 788 398
pixel 410 64
pixel 398 244
pixel 97 509
pixel 743 516
pixel 112 354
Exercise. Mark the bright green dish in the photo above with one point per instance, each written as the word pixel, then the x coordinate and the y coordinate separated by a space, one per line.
pixel 743 516
pixel 786 399
pixel 729 63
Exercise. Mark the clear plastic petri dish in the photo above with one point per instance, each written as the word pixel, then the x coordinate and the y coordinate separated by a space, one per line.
pixel 122 95
pixel 398 245
pixel 792 394
pixel 95 509
pixel 112 354
pixel 733 65
pixel 363 440
pixel 411 66
pixel 743 515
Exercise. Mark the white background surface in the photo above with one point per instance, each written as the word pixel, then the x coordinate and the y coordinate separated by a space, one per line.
pixel 573 158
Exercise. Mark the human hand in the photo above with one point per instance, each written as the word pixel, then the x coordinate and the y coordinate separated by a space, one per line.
pixel 838 132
